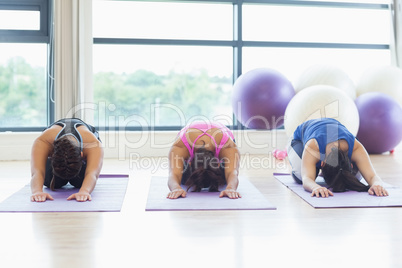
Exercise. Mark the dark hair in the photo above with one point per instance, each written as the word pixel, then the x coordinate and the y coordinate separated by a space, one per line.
pixel 66 159
pixel 338 173
pixel 204 171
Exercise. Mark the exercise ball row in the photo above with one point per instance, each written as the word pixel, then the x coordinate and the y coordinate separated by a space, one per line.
pixel 261 96
pixel 265 99
pixel 384 79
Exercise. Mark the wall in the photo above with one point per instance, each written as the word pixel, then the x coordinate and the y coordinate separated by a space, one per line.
pixel 127 144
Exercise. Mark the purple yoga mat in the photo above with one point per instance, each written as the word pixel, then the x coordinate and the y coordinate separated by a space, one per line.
pixel 108 195
pixel 252 198
pixel 348 199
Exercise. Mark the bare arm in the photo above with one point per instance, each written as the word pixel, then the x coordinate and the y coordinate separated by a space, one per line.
pixel 361 158
pixel 177 156
pixel 93 152
pixel 41 149
pixel 311 155
pixel 231 159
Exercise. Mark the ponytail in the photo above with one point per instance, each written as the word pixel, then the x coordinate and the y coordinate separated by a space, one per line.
pixel 344 180
pixel 338 173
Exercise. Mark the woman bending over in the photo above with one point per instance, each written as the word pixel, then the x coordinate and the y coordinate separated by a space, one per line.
pixel 204 156
pixel 68 151
pixel 326 144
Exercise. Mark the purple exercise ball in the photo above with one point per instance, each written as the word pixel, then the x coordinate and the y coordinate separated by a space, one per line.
pixel 380 127
pixel 260 98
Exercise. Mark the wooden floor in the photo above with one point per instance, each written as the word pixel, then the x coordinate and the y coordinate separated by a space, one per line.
pixel 294 235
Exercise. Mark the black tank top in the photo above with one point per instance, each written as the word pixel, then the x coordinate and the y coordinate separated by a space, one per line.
pixel 69 127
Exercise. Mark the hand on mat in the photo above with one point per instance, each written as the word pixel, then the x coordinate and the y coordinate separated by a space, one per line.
pixel 232 194
pixel 41 197
pixel 80 197
pixel 176 193
pixel 321 192
pixel 377 190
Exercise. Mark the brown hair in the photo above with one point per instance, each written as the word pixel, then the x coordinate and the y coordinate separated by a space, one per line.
pixel 338 173
pixel 204 170
pixel 66 159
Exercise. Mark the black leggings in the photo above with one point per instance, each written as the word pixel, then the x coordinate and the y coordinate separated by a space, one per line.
pixel 297 147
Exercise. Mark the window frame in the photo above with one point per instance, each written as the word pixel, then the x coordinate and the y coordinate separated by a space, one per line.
pixel 43 36
pixel 238 43
pixel 27 36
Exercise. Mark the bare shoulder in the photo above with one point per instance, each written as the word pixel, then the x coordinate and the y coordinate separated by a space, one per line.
pixel 311 149
pixel 312 143
pixel 89 140
pixel 178 142
pixel 357 145
pixel 49 135
pixel 178 153
pixel 230 144
pixel 230 149
pixel 43 146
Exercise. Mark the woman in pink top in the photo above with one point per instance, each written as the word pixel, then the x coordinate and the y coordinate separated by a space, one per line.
pixel 204 156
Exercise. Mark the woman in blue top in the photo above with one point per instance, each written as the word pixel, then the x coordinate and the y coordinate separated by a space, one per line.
pixel 326 144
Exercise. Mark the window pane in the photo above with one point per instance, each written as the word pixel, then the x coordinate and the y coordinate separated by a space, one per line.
pixel 19 20
pixel 356 1
pixel 161 85
pixel 293 61
pixel 23 85
pixel 126 19
pixel 316 24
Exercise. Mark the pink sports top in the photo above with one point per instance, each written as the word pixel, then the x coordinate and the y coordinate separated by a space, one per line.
pixel 204 127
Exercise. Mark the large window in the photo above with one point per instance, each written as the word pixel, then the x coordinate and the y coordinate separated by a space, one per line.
pixel 161 64
pixel 290 38
pixel 24 39
pixel 164 63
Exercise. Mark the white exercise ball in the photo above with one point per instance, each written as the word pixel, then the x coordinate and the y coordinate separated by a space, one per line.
pixel 318 102
pixel 329 75
pixel 384 79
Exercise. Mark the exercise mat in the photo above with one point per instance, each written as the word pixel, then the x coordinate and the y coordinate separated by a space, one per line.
pixel 348 199
pixel 108 195
pixel 252 198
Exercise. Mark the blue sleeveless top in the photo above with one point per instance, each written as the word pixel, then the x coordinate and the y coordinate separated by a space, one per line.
pixel 324 131
pixel 69 127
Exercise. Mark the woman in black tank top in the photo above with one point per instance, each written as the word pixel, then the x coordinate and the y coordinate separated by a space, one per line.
pixel 68 151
